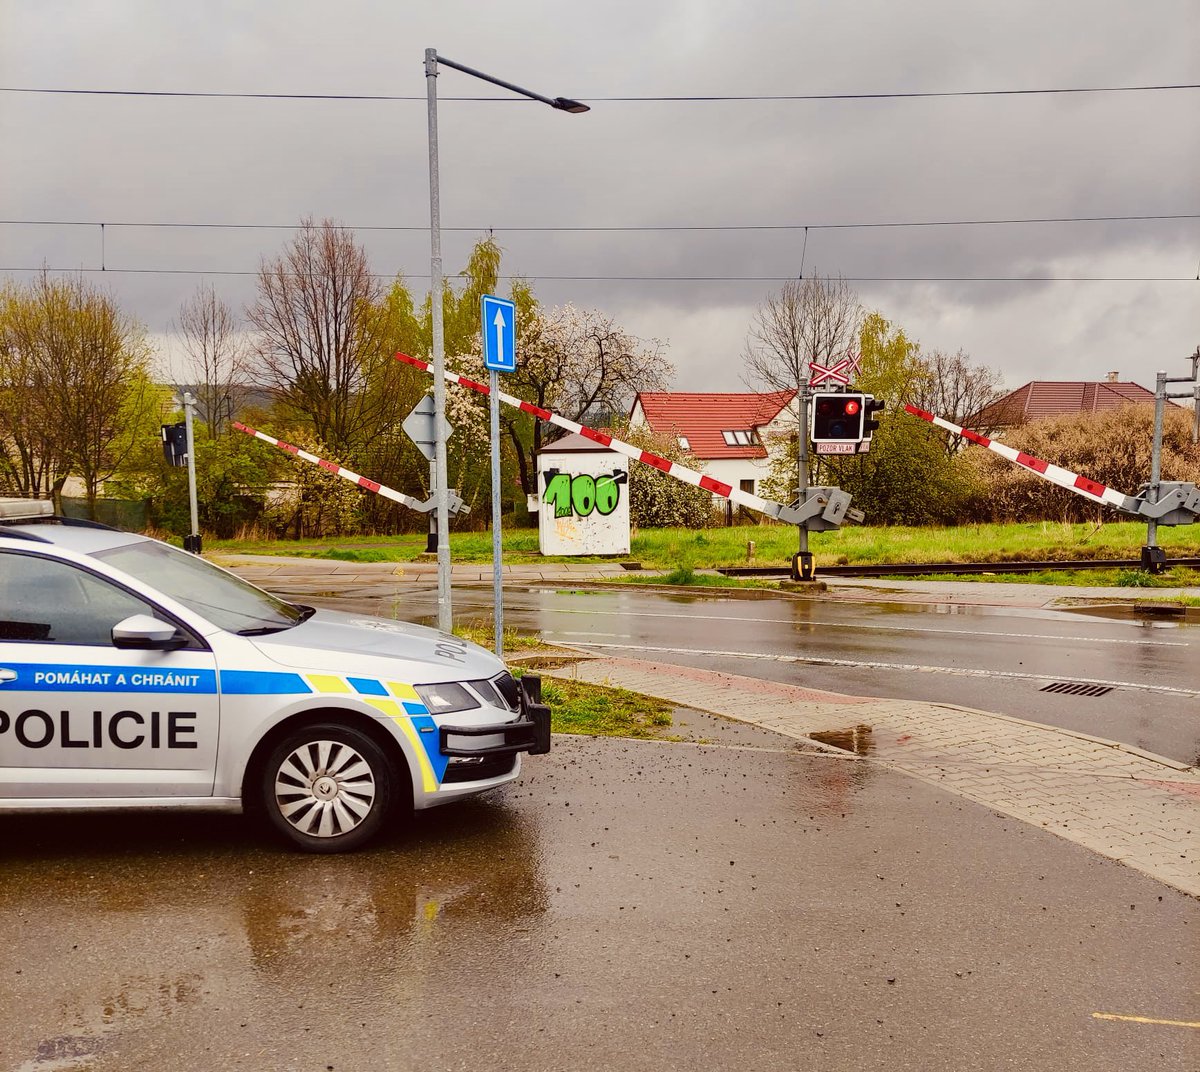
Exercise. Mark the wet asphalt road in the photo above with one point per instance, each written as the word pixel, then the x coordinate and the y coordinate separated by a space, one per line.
pixel 638 905
pixel 990 658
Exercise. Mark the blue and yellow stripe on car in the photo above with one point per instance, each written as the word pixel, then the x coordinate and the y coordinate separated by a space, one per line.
pixel 396 700
pixel 399 702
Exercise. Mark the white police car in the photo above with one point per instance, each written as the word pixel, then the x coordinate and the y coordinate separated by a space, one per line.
pixel 133 674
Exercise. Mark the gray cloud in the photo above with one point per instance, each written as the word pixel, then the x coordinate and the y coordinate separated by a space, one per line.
pixel 512 163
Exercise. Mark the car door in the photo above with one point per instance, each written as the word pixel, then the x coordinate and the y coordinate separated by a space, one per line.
pixel 82 718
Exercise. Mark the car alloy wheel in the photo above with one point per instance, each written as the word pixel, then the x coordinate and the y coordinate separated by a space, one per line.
pixel 327 788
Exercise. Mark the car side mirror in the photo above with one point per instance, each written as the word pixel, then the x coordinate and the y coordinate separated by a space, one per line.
pixel 142 632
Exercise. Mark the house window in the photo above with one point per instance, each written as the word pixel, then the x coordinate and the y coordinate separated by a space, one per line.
pixel 739 438
pixel 683 442
pixel 747 486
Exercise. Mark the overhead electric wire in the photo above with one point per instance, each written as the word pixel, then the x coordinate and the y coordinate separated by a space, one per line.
pixel 664 99
pixel 587 228
pixel 665 278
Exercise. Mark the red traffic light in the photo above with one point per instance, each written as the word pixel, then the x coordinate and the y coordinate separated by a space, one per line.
pixel 837 417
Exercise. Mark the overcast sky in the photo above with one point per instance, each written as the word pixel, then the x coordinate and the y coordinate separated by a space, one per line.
pixel 512 164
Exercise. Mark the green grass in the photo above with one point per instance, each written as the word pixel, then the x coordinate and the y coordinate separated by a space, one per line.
pixel 690 579
pixel 580 707
pixel 483 633
pixel 683 549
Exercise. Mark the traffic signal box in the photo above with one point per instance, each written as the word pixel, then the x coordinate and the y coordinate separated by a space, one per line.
pixel 837 418
pixel 871 405
pixel 841 421
pixel 174 437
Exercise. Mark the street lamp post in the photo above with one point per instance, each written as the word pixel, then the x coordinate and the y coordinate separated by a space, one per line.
pixel 440 490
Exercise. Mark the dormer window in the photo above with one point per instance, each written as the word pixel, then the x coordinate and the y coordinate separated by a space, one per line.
pixel 739 438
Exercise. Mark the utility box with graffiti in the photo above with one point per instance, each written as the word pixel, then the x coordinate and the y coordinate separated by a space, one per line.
pixel 583 493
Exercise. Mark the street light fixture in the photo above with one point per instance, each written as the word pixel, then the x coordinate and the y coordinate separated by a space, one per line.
pixel 441 480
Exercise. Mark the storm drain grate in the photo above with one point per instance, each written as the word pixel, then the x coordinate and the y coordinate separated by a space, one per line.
pixel 1075 688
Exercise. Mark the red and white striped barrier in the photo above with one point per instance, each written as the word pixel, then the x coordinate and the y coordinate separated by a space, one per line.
pixel 1064 478
pixel 338 470
pixel 679 472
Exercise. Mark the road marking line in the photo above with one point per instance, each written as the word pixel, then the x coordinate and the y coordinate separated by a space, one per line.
pixel 962 671
pixel 593 612
pixel 1144 1019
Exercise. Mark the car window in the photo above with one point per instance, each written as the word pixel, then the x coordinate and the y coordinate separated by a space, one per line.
pixel 43 600
pixel 225 600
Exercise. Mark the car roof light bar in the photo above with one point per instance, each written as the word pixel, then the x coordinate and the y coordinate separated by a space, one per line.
pixel 25 509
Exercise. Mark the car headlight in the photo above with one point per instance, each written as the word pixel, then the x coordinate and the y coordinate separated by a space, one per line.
pixel 448 696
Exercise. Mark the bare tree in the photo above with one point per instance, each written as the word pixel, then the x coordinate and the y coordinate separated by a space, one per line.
pixel 217 357
pixel 583 365
pixel 951 387
pixel 320 335
pixel 809 319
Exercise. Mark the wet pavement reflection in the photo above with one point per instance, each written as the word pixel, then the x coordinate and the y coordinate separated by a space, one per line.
pixel 632 904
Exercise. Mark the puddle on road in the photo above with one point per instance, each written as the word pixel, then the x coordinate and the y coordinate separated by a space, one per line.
pixel 1168 616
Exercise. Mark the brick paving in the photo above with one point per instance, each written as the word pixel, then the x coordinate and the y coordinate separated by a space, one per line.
pixel 1128 805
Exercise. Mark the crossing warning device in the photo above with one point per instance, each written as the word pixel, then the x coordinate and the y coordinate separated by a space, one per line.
pixel 820 508
pixel 457 506
pixel 1178 503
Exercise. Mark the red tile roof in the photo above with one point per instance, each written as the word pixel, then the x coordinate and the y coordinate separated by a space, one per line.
pixel 1050 398
pixel 701 418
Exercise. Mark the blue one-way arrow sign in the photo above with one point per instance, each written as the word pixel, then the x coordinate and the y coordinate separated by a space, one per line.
pixel 499 334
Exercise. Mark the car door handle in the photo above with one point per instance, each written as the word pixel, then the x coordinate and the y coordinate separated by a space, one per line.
pixel 7 675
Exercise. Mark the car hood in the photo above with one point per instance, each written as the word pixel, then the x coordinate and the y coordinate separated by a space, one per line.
pixel 360 641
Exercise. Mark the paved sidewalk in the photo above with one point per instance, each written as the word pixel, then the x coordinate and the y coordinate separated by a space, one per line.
pixel 1128 805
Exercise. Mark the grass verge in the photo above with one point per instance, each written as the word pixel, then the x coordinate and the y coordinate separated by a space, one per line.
pixel 600 711
pixel 578 706
pixel 684 549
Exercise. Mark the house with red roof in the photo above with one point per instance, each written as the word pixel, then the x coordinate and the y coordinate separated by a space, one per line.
pixel 1052 398
pixel 732 437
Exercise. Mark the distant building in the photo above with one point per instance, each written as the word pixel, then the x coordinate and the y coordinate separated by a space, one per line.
pixel 1052 398
pixel 733 437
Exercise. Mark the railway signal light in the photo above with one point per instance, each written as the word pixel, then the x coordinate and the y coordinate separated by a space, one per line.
pixel 174 440
pixel 837 417
pixel 871 405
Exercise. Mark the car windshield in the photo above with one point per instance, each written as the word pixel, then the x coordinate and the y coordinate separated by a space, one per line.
pixel 225 600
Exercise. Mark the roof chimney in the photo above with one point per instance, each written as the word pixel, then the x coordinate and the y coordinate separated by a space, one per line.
pixel 1114 377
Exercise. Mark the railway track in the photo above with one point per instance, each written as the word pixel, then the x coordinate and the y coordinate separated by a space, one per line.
pixel 925 568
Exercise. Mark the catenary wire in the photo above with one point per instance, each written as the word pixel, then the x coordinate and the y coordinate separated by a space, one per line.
pixel 666 99
pixel 665 278
pixel 586 228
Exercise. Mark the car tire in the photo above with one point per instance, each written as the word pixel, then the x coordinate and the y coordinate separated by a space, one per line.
pixel 327 788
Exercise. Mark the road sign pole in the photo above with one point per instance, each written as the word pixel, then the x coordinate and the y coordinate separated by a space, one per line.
pixel 431 541
pixel 1160 401
pixel 802 565
pixel 498 336
pixel 497 552
pixel 441 482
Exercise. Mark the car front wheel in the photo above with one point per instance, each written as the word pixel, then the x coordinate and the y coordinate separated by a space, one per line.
pixel 327 788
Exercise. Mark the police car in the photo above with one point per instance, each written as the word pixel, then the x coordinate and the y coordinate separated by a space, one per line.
pixel 133 674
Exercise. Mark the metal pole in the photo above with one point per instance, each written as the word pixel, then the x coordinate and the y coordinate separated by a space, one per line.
pixel 802 565
pixel 192 543
pixel 441 481
pixel 497 553
pixel 1196 414
pixel 1160 401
